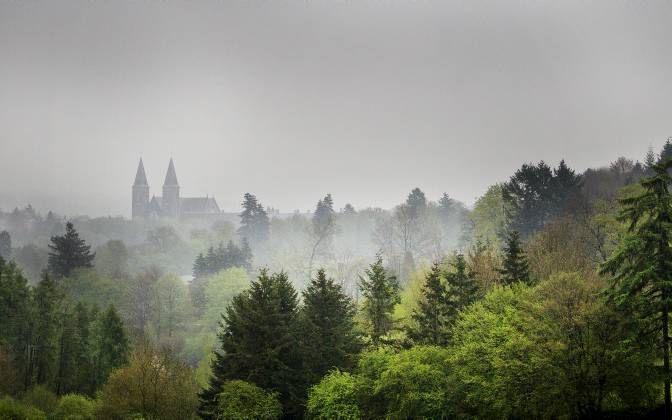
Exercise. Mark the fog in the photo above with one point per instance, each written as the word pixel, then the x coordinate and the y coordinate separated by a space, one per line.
pixel 293 99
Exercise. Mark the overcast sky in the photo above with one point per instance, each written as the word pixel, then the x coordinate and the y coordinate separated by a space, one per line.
pixel 291 100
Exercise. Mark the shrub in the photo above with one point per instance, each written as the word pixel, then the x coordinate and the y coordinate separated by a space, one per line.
pixel 74 407
pixel 14 410
pixel 240 400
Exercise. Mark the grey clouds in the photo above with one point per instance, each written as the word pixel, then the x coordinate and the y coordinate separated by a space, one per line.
pixel 290 100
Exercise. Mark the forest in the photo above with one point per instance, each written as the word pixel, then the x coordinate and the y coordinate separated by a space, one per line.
pixel 549 297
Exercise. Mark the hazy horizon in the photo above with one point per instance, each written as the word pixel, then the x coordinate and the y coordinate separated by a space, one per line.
pixel 293 100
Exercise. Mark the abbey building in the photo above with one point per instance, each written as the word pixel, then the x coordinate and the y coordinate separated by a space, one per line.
pixel 170 204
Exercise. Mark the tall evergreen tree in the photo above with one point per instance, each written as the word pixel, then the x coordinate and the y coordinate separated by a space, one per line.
pixel 416 202
pixel 5 245
pixel 666 152
pixel 15 314
pixel 381 295
pixel 328 337
pixel 642 264
pixel 110 345
pixel 515 266
pixel 649 162
pixel 43 353
pixel 259 341
pixel 254 223
pixel 324 226
pixel 435 311
pixel 68 252
pixel 462 285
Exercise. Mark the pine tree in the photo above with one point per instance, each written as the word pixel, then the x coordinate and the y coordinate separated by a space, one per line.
pixel 435 311
pixel 381 295
pixel 246 254
pixel 328 337
pixel 110 345
pixel 324 226
pixel 515 267
pixel 461 284
pixel 69 252
pixel 642 264
pixel 649 162
pixel 200 268
pixel 666 152
pixel 15 314
pixel 259 343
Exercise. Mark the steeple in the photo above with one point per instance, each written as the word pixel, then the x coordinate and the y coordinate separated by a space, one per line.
pixel 171 177
pixel 170 202
pixel 140 177
pixel 140 192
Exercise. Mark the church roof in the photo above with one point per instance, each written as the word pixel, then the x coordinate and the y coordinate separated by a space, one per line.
pixel 171 177
pixel 195 205
pixel 140 177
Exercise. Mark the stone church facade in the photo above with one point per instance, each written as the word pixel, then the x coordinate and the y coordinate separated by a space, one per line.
pixel 170 204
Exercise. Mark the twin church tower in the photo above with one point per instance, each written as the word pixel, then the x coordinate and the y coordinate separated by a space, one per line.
pixel 170 204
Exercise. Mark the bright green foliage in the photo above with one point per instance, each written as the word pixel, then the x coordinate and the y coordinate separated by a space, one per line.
pixel 42 398
pixel 335 397
pixel 508 345
pixel 68 252
pixel 14 410
pixel 435 311
pixel 488 216
pixel 381 294
pixel 642 264
pixel 259 342
pixel 415 384
pixel 240 400
pixel 153 385
pixel 328 338
pixel 74 407
pixel 515 268
pixel 220 291
pixel 172 307
pixel 112 259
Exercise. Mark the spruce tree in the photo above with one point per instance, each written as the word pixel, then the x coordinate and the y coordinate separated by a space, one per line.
pixel 642 264
pixel 435 311
pixel 200 268
pixel 462 285
pixel 68 252
pixel 254 223
pixel 324 226
pixel 259 343
pixel 246 254
pixel 515 267
pixel 110 345
pixel 328 337
pixel 15 314
pixel 381 295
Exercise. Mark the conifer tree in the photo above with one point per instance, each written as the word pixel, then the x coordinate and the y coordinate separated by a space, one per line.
pixel 15 313
pixel 68 252
pixel 329 341
pixel 254 223
pixel 461 284
pixel 642 264
pixel 324 226
pixel 47 299
pixel 5 245
pixel 515 267
pixel 259 343
pixel 246 254
pixel 665 152
pixel 200 268
pixel 381 295
pixel 435 311
pixel 110 345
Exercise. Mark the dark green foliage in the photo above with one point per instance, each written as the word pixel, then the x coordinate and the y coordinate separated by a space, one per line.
pixel 221 258
pixel 5 245
pixel 536 194
pixel 515 268
pixel 328 339
pixel 254 223
pixel 259 343
pixel 416 202
pixel 68 252
pixel 642 264
pixel 110 345
pixel 240 400
pixel 15 312
pixel 665 153
pixel 462 286
pixel 381 294
pixel 44 346
pixel 435 311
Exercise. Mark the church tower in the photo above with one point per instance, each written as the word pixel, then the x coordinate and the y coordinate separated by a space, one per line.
pixel 170 202
pixel 140 193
